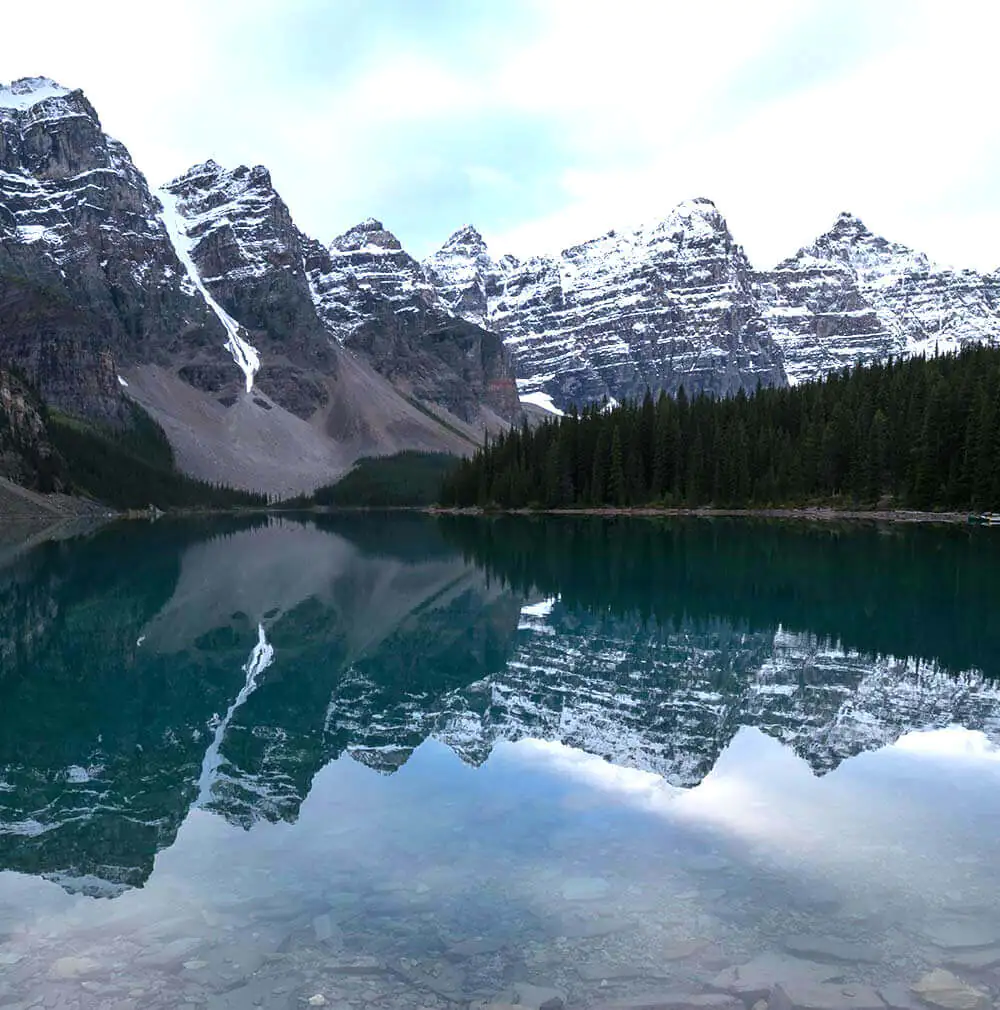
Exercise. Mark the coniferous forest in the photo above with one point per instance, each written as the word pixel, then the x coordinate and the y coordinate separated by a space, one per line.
pixel 922 433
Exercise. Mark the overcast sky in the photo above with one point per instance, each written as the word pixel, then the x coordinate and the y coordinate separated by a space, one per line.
pixel 546 122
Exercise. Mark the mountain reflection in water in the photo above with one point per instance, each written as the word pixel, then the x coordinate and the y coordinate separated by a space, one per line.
pixel 620 711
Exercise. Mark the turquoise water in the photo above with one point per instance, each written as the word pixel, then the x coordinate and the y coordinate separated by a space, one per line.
pixel 415 762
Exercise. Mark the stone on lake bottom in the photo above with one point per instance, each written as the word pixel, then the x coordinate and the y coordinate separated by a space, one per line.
pixel 585 888
pixel 829 948
pixel 75 967
pixel 475 946
pixel 600 971
pixel 709 863
pixel 961 935
pixel 946 991
pixel 525 995
pixel 975 960
pixel 676 1000
pixel 755 979
pixel 684 949
pixel 318 1000
pixel 171 954
pixel 804 995
pixel 896 996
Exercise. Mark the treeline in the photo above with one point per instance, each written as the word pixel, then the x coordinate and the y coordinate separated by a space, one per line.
pixel 405 479
pixel 920 433
pixel 132 467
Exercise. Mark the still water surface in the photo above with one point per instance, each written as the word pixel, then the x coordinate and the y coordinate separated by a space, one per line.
pixel 414 762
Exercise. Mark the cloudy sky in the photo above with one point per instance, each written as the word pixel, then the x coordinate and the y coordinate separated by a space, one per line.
pixel 546 122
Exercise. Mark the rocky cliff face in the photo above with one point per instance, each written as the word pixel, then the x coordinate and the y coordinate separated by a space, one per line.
pixel 853 297
pixel 88 276
pixel 26 455
pixel 678 302
pixel 195 302
pixel 668 305
pixel 375 298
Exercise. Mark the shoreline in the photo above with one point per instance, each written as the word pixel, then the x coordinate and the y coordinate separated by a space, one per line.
pixel 811 513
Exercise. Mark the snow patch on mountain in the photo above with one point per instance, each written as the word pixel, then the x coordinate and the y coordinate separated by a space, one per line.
pixel 28 91
pixel 244 353
pixel 542 400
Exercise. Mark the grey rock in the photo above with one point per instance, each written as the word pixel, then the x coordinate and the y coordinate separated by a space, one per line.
pixel 755 979
pixel 946 991
pixel 896 996
pixel 962 934
pixel 832 949
pixel 599 971
pixel 676 1000
pixel 804 995
pixel 585 888
pixel 171 954
pixel 974 960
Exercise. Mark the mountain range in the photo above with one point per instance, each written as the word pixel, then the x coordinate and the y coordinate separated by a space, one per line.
pixel 273 361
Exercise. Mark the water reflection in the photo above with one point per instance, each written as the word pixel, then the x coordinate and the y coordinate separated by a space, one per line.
pixel 393 762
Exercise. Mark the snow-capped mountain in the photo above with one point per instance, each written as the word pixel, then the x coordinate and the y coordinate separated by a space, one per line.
pixel 194 302
pixel 677 302
pixel 273 361
pixel 88 276
pixel 666 305
pixel 853 296
pixel 373 296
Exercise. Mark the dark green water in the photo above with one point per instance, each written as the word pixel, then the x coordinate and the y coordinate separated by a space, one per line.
pixel 416 762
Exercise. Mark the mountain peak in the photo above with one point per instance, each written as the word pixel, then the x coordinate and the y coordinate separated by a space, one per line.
pixel 370 234
pixel 467 238
pixel 846 221
pixel 28 91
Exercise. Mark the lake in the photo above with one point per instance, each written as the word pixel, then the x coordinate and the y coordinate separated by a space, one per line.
pixel 408 762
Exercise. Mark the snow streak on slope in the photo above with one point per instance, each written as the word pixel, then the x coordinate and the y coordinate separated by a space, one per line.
pixel 260 659
pixel 244 354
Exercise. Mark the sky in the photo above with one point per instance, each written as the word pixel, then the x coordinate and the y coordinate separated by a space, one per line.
pixel 548 122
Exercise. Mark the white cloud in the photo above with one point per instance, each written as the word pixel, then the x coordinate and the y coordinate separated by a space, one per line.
pixel 576 119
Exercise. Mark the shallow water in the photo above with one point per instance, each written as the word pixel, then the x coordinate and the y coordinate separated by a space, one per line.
pixel 406 762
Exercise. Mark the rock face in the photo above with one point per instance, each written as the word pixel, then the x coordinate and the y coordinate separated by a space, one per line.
pixel 196 302
pixel 88 276
pixel 678 302
pixel 26 456
pixel 668 305
pixel 853 296
pixel 374 297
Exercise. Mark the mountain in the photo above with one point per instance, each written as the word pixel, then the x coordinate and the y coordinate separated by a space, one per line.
pixel 854 297
pixel 194 303
pixel 677 302
pixel 666 305
pixel 273 361
pixel 373 296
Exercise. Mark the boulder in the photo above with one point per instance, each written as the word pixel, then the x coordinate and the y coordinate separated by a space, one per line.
pixel 806 995
pixel 946 991
pixel 830 949
pixel 755 979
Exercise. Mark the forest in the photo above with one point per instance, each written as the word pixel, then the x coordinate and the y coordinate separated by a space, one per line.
pixel 919 433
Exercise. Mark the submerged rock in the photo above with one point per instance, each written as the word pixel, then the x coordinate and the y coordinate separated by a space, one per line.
pixel 805 995
pixel 959 935
pixel 946 991
pixel 829 948
pixel 757 978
